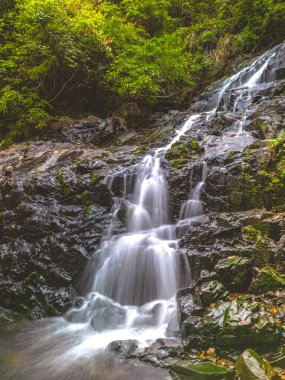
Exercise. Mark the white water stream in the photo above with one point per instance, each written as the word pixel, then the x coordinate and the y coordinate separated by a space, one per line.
pixel 132 295
pixel 132 278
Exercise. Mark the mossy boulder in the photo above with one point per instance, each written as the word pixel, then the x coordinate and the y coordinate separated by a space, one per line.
pixel 241 322
pixel 200 370
pixel 212 291
pixel 234 273
pixel 250 366
pixel 267 280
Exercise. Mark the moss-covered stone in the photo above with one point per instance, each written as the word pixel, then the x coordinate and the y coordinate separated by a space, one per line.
pixel 241 322
pixel 200 370
pixel 267 280
pixel 212 291
pixel 257 236
pixel 250 366
pixel 181 150
pixel 244 191
pixel 234 273
pixel 85 199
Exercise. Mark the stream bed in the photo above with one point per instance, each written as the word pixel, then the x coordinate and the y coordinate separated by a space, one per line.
pixel 45 349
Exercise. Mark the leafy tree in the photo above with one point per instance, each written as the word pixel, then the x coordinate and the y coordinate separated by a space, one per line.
pixel 61 56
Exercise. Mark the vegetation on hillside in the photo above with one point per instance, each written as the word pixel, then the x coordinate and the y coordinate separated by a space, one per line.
pixel 91 55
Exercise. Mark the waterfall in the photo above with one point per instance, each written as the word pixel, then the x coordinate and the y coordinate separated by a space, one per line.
pixel 193 206
pixel 136 276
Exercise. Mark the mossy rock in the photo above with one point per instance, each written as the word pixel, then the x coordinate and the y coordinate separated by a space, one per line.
pixel 247 322
pixel 234 273
pixel 200 370
pixel 250 366
pixel 244 193
pixel 184 151
pixel 267 280
pixel 212 291
pixel 238 323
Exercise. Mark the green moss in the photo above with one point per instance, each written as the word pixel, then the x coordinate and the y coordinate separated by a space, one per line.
pixel 181 150
pixel 251 233
pixel 85 199
pixel 141 149
pixel 194 146
pixel 195 370
pixel 88 209
pixel 93 178
pixel 59 176
pixel 65 187
pixel 268 280
pixel 66 190
pixel 175 163
pixel 231 155
pixel 250 366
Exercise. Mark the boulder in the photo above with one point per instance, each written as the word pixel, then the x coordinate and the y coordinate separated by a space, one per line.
pixel 200 370
pixel 234 273
pixel 267 280
pixel 250 366
pixel 125 347
pixel 241 322
pixel 212 291
pixel 163 352
pixel 188 303
pixel 106 315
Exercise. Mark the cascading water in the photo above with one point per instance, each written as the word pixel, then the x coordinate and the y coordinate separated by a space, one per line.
pixel 135 285
pixel 132 294
pixel 134 288
pixel 133 277
pixel 193 206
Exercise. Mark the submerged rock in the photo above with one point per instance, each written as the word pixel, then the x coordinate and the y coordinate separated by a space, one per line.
pixel 125 347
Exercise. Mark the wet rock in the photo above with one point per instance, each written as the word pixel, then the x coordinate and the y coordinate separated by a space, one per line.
pixel 106 315
pixel 35 300
pixel 91 131
pixel 173 329
pixel 78 302
pixel 206 276
pixel 240 322
pixel 211 292
pixel 125 347
pixel 251 366
pixel 234 273
pixel 267 280
pixel 276 356
pixel 200 370
pixel 188 303
pixel 53 209
pixel 163 352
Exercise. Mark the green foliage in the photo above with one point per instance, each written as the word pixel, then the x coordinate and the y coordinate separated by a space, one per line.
pixel 158 67
pixel 62 55
pixel 194 145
